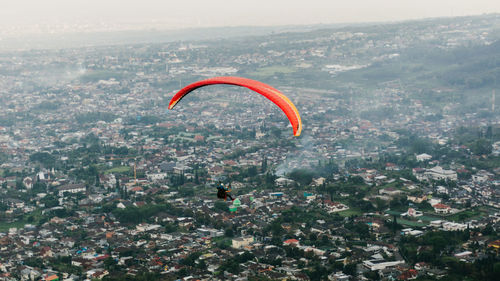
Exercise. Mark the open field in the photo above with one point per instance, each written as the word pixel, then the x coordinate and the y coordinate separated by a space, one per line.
pixel 351 212
pixel 411 223
pixel 272 70
pixel 120 169
pixel 4 227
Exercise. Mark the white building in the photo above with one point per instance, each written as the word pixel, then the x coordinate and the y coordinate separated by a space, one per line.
pixel 438 173
pixel 411 232
pixel 453 226
pixel 71 188
pixel 333 207
pixel 28 182
pixel 156 176
pixel 436 223
pixel 412 213
pixel 283 181
pixel 423 157
pixel 441 208
pixel 380 264
pixel 242 242
pixel 338 276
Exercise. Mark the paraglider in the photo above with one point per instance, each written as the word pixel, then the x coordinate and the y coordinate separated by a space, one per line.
pixel 267 91
pixel 223 191
pixel 278 98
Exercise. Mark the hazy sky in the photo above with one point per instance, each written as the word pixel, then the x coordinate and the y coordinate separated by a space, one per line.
pixel 24 14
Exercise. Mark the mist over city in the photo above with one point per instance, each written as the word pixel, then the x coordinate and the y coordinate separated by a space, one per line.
pixel 147 140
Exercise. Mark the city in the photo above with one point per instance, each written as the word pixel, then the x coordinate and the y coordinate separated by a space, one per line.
pixel 395 177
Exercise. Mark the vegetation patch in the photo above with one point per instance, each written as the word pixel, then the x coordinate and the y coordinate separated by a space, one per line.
pixel 120 169
pixel 273 70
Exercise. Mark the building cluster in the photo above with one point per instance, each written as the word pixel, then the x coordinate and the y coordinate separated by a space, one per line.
pixel 99 180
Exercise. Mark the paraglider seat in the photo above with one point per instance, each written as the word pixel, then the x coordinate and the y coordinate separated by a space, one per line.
pixel 221 194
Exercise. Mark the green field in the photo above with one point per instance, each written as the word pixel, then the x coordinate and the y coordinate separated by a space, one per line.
pixel 213 138
pixel 467 215
pixel 393 213
pixel 4 227
pixel 120 169
pixel 272 70
pixel 36 217
pixel 411 223
pixel 182 138
pixel 351 212
pixel 428 218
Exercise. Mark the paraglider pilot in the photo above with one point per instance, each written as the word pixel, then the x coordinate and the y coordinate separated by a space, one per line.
pixel 223 191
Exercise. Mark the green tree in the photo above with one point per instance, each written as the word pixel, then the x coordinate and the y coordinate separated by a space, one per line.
pixel 45 158
pixel 481 147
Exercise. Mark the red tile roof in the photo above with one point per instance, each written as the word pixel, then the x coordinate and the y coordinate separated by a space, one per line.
pixel 441 206
pixel 291 241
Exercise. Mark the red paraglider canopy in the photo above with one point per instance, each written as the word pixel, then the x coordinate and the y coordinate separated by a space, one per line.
pixel 267 91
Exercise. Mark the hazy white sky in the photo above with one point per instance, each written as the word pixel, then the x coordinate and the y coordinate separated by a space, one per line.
pixel 200 13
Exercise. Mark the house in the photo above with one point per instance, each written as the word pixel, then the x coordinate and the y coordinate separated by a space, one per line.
pixel 463 255
pixel 71 188
pixel 314 250
pixel 30 274
pixel 423 157
pixel 137 189
pixel 409 274
pixel 14 203
pixel 416 199
pixel 482 177
pixel 441 208
pixel 380 264
pixel 453 226
pixel 242 242
pixel 419 173
pixel 209 232
pixel 333 207
pixel 441 189
pixel 436 223
pixel 291 242
pixel 411 232
pixel 283 181
pixel 100 274
pixel 338 276
pixel 276 194
pixel 46 252
pixel 421 266
pixel 391 167
pixel 108 181
pixel 389 191
pixel 438 173
pixel 51 277
pixel 154 177
pixel 319 181
pixel 28 182
pixel 412 213
pixel 147 227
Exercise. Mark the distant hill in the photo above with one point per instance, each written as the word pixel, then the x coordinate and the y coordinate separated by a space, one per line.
pixel 426 66
pixel 150 36
pixel 473 67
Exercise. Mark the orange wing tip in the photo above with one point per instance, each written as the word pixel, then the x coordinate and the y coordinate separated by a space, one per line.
pixel 297 134
pixel 299 130
pixel 171 105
